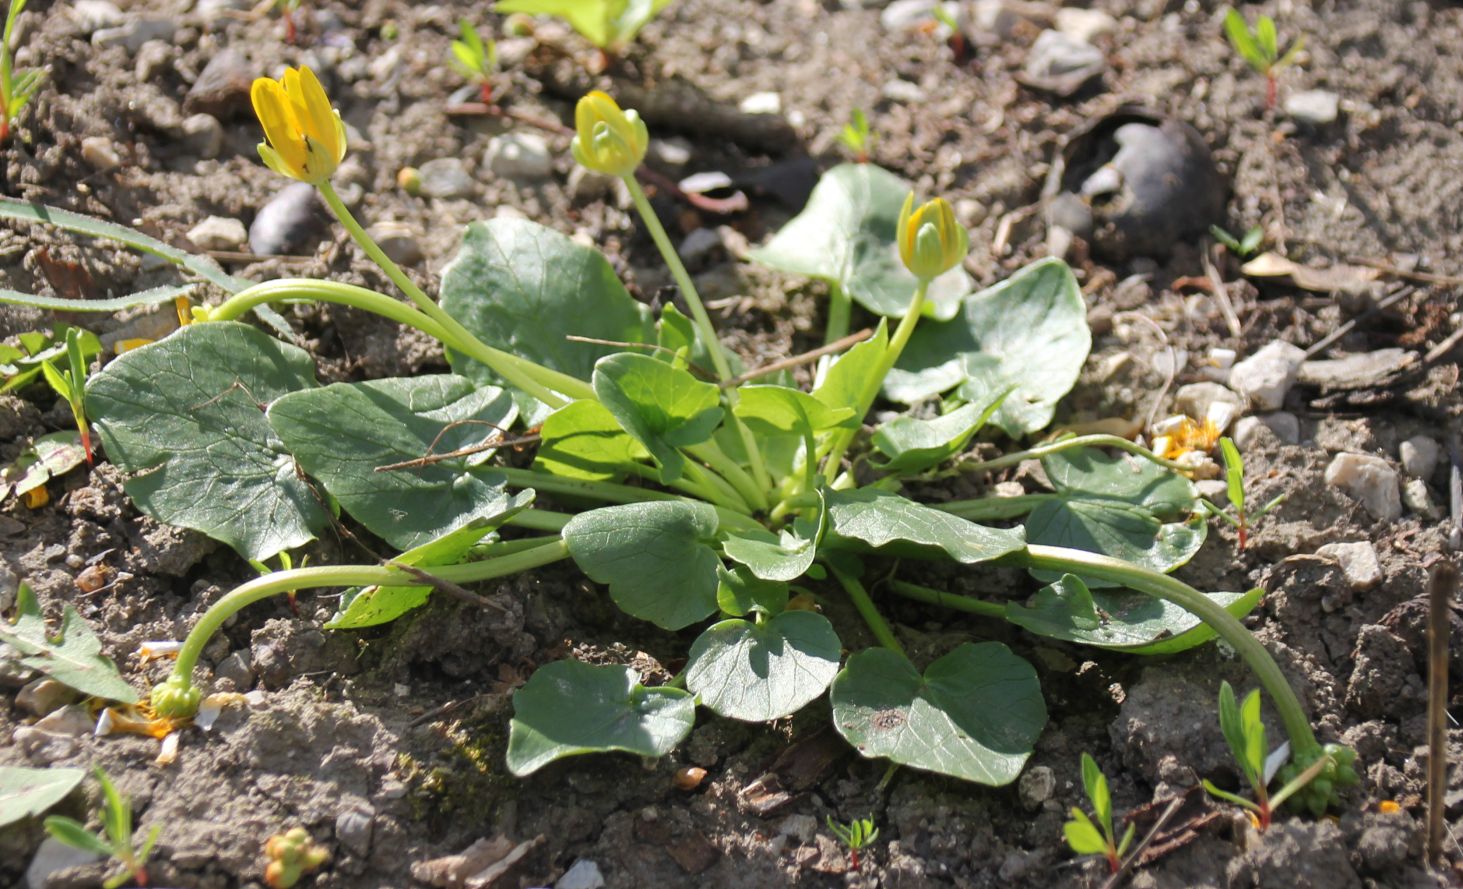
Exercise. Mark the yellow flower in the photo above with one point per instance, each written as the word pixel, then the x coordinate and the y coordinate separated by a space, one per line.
pixel 609 140
pixel 931 242
pixel 304 136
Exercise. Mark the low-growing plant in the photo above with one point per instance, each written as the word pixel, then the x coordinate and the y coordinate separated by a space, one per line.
pixel 1237 513
pixel 856 136
pixel 1087 838
pixel 116 840
pixel 856 835
pixel 1311 781
pixel 70 384
pixel 702 493
pixel 1259 47
pixel 476 59
pixel 1242 248
pixel 17 86
pixel 611 25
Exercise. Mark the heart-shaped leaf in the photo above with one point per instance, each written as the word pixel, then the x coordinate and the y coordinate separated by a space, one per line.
pixel 778 410
pixel 740 592
pixel 846 236
pixel 888 522
pixel 583 440
pixel 25 793
pixel 655 558
pixel 662 407
pixel 568 708
pixel 1119 619
pixel 841 385
pixel 1028 334
pixel 761 671
pixel 783 556
pixel 344 433
pixel 50 456
pixel 974 714
pixel 914 445
pixel 186 414
pixel 73 657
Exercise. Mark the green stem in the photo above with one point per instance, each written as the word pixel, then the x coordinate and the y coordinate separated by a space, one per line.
pixel 540 520
pixel 1228 628
pixel 968 604
pixel 839 310
pixel 295 579
pixel 1080 441
pixel 682 484
pixel 986 509
pixel 712 455
pixel 510 547
pixel 303 289
pixel 610 492
pixel 719 490
pixel 865 605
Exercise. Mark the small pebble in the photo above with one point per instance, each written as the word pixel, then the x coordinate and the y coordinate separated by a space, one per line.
pixel 1216 491
pixel 802 828
pixel 218 233
pixel 43 697
pixel 1084 24
pixel 898 90
pixel 1419 456
pixel 1418 498
pixel 222 87
pixel 1358 562
pixel 1058 55
pixel 93 15
pixel 697 246
pixel 1314 107
pixel 1195 399
pixel 672 152
pixel 99 154
pixel 445 177
pixel 353 829
pixel 582 874
pixel 134 34
pixel 154 57
pixel 761 103
pixel 519 156
pixel 1266 376
pixel 1037 785
pixel 237 669
pixel 52 857
pixel 1369 479
pixel 398 241
pixel 284 225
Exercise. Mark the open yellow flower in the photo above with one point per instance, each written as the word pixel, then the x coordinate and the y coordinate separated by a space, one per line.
pixel 931 242
pixel 304 136
pixel 608 140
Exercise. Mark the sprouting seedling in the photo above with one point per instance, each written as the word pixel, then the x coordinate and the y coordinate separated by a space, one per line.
pixel 608 24
pixel 70 384
pixel 476 59
pixel 1087 838
pixel 287 10
pixel 1234 477
pixel 857 834
pixel 1259 48
pixel 16 87
pixel 945 17
pixel 1242 248
pixel 856 135
pixel 116 841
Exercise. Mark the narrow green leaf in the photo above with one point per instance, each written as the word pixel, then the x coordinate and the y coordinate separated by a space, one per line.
pixel 1082 836
pixel 73 657
pixel 151 297
pixel 662 407
pixel 1095 783
pixel 1266 39
pixel 1234 474
pixel 1252 240
pixel 1243 42
pixel 74 834
pixel 26 792
pixel 760 671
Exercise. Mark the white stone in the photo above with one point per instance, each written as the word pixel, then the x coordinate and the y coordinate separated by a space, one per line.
pixel 1417 497
pixel 53 856
pixel 902 15
pixel 1055 54
pixel 997 17
pixel 1369 479
pixel 699 244
pixel 672 152
pixel 99 153
pixel 519 156
pixel 1266 376
pixel 204 133
pixel 582 874
pixel 398 241
pixel 898 90
pixel 1084 24
pixel 761 103
pixel 1358 562
pixel 1314 107
pixel 218 233
pixel 1036 786
pixel 93 15
pixel 1419 456
pixel 1196 399
pixel 1214 490
pixel 133 34
pixel 445 177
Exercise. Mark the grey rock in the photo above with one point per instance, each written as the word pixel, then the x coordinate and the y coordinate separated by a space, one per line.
pixel 995 18
pixel 1358 562
pixel 132 35
pixel 154 57
pixel 1037 786
pixel 519 156
pixel 52 857
pixel 802 828
pixel 42 697
pixel 1250 431
pixel 218 233
pixel 99 153
pixel 398 241
pixel 1195 399
pixel 1298 855
pixel 1387 842
pixel 582 874
pixel 1214 490
pixel 237 669
pixel 222 87
pixel 1369 479
pixel 353 829
pixel 1314 107
pixel 698 245
pixel 1419 456
pixel 1355 371
pixel 284 225
pixel 93 15
pixel 1084 24
pixel 1418 498
pixel 1266 376
pixel 1062 63
pixel 445 177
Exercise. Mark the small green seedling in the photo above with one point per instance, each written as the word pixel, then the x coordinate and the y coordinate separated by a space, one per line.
pixel 857 835
pixel 1234 476
pixel 1258 47
pixel 856 136
pixel 70 384
pixel 944 17
pixel 287 10
pixel 609 24
pixel 116 841
pixel 476 59
pixel 1087 838
pixel 1242 248
pixel 16 87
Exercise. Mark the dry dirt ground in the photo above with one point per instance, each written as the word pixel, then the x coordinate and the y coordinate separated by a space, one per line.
pixel 387 745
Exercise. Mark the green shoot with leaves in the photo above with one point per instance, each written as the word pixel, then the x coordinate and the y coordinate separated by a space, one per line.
pixel 476 59
pixel 608 24
pixel 1242 248
pixel 1259 47
pixel 856 136
pixel 287 10
pixel 1087 838
pixel 70 384
pixel 17 87
pixel 116 840
pixel 856 835
pixel 1237 513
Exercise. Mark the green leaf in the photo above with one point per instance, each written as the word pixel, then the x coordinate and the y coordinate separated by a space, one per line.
pixel 524 288
pixel 974 714
pixel 186 415
pixel 760 671
pixel 1243 42
pixel 1119 620
pixel 116 812
pixel 916 445
pixel 50 456
pixel 846 236
pixel 1252 240
pixel 894 524
pixel 26 792
pixel 1234 474
pixel 152 297
pixel 73 657
pixel 842 385
pixel 662 407
pixel 1265 37
pixel 1028 334
pixel 1083 836
pixel 343 433
pixel 74 834
pixel 776 410
pixel 1117 505
pixel 584 440
pixel 784 556
pixel 740 592
pixel 608 24
pixel 653 556
pixel 1239 728
pixel 1095 783
pixel 568 708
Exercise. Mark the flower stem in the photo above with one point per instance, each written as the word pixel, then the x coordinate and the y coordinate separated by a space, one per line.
pixel 865 605
pixel 609 492
pixel 839 309
pixel 1079 441
pixel 713 456
pixel 968 604
pixel 987 509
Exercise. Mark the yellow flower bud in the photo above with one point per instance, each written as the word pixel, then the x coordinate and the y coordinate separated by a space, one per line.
pixel 304 136
pixel 931 242
pixel 608 139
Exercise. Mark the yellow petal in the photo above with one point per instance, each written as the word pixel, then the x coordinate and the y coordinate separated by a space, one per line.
pixel 320 119
pixel 904 230
pixel 281 130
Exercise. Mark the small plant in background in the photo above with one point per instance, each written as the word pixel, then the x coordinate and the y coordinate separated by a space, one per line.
pixel 943 16
pixel 1087 838
pixel 116 841
pixel 857 835
pixel 1259 48
pixel 856 136
pixel 16 87
pixel 609 24
pixel 476 59
pixel 292 854
pixel 1234 476
pixel 70 384
pixel 1242 248
pixel 287 10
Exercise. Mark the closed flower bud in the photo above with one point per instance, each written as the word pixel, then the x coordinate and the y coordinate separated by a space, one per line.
pixel 931 242
pixel 304 138
pixel 175 700
pixel 608 140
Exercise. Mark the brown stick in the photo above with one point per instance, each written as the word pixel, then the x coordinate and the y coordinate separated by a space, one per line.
pixel 1441 587
pixel 852 339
